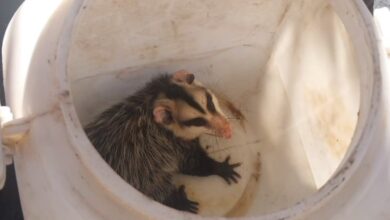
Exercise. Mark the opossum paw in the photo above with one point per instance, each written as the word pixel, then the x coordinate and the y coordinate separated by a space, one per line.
pixel 226 171
pixel 182 203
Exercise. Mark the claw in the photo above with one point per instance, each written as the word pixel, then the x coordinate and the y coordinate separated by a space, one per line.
pixel 236 174
pixel 227 180
pixel 235 165
pixel 227 172
pixel 181 202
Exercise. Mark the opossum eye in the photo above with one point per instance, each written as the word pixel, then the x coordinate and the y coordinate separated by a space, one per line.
pixel 198 122
pixel 210 104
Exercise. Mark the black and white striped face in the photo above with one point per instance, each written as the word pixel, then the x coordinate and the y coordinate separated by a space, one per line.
pixel 189 109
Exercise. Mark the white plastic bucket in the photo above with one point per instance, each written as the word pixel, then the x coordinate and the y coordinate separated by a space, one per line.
pixel 308 76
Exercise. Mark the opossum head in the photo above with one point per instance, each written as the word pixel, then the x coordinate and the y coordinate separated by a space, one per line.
pixel 188 109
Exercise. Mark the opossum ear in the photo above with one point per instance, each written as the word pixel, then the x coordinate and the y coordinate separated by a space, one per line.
pixel 162 115
pixel 183 76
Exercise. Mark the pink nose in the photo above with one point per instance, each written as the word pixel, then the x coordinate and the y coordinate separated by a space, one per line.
pixel 227 132
pixel 222 127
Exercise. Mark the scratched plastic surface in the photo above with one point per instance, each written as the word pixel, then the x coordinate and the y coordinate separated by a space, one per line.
pixel 288 66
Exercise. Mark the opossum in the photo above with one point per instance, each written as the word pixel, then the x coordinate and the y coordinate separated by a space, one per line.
pixel 154 134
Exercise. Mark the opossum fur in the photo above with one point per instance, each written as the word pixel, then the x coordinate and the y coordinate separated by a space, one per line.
pixel 146 140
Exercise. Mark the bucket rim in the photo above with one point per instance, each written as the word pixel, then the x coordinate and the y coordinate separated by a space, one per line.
pixel 124 194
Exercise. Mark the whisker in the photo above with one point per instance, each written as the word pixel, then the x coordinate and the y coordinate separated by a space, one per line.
pixel 210 134
pixel 222 149
pixel 216 140
pixel 232 118
pixel 238 145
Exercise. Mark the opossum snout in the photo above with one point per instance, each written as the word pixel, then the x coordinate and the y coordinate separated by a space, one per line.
pixel 221 127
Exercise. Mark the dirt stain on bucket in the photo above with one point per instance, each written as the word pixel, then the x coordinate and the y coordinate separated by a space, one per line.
pixel 246 200
pixel 334 122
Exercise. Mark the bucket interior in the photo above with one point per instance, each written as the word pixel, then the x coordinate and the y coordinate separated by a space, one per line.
pixel 289 66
